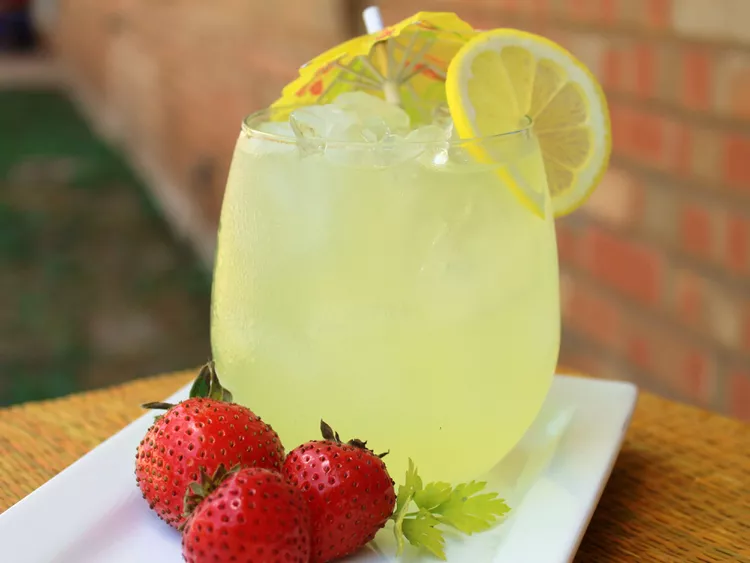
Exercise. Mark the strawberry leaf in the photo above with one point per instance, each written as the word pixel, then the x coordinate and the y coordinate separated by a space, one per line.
pixel 421 531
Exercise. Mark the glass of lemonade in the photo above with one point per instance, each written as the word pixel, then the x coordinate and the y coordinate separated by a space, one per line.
pixel 375 274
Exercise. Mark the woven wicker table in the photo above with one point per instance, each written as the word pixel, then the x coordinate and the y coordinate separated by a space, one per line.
pixel 679 492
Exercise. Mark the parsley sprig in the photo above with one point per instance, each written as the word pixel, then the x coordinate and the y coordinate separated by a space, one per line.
pixel 422 509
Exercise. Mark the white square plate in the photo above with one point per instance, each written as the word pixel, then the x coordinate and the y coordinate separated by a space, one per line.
pixel 93 512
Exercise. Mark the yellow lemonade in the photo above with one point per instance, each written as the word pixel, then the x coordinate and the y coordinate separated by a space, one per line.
pixel 397 289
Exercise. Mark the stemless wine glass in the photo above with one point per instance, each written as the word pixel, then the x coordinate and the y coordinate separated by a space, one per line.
pixel 401 291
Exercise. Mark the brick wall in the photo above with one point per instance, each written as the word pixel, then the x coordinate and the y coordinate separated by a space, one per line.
pixel 171 80
pixel 656 266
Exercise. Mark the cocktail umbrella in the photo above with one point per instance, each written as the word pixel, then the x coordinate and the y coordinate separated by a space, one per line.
pixel 405 63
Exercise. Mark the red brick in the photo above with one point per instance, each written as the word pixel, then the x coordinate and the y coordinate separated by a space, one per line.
pixel 645 72
pixel 546 7
pixel 580 10
pixel 594 316
pixel 608 12
pixel 603 12
pixel 678 149
pixel 736 165
pixel 567 243
pixel 696 230
pixel 638 351
pixel 509 5
pixel 658 13
pixel 628 68
pixel 525 7
pixel 739 93
pixel 697 77
pixel 683 367
pixel 738 243
pixel 689 295
pixel 684 151
pixel 738 394
pixel 558 35
pixel 634 269
pixel 475 16
pixel 578 360
pixel 647 137
pixel 567 288
pixel 697 377
pixel 668 72
pixel 577 363
pixel 612 69
pixel 396 11
pixel 620 122
pixel 651 349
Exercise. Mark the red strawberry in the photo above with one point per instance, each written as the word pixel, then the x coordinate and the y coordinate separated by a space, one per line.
pixel 348 489
pixel 253 515
pixel 198 435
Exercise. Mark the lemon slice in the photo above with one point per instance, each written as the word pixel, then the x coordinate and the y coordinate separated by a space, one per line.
pixel 502 76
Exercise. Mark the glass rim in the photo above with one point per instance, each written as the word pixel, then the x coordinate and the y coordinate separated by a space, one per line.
pixel 248 128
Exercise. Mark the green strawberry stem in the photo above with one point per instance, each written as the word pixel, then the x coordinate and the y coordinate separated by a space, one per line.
pixel 199 490
pixel 331 435
pixel 157 406
pixel 206 385
pixel 461 507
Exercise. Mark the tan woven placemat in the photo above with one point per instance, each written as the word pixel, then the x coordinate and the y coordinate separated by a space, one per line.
pixel 679 492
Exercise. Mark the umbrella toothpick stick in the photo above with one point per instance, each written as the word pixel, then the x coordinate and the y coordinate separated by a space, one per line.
pixel 373 24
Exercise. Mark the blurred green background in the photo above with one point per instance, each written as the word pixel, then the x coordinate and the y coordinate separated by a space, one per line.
pixel 94 287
